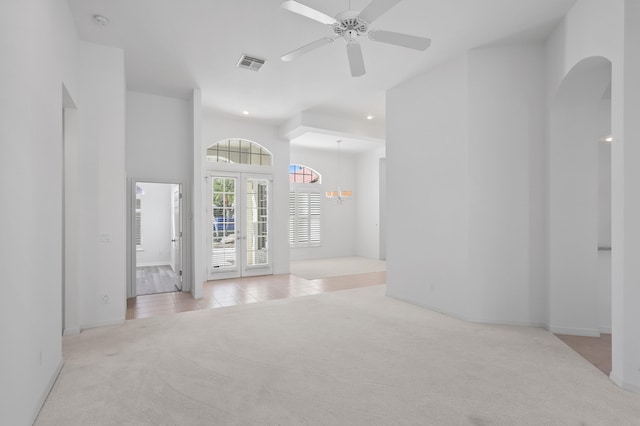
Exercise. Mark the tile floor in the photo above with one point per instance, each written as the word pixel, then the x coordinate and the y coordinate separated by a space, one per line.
pixel 238 291
pixel 596 350
pixel 221 293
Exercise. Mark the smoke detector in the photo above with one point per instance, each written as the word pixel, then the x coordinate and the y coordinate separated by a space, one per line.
pixel 250 62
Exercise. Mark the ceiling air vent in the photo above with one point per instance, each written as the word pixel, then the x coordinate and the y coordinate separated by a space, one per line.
pixel 250 62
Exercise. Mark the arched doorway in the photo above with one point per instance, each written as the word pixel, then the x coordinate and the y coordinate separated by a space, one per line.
pixel 580 202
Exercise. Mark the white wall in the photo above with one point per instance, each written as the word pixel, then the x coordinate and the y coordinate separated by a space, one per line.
pixel 368 225
pixel 573 195
pixel 159 148
pixel 506 167
pixel 626 208
pixel 38 47
pixel 427 224
pixel 216 127
pixel 195 210
pixel 338 220
pixel 604 219
pixel 433 107
pixel 156 225
pixel 99 190
pixel 604 175
pixel 465 144
pixel 158 144
pixel 612 30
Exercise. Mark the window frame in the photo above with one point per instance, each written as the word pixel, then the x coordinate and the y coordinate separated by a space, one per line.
pixel 226 153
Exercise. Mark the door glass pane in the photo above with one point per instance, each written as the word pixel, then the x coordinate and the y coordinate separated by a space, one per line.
pixel 257 218
pixel 223 250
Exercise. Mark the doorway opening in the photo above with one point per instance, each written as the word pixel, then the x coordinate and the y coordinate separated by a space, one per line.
pixel 580 210
pixel 157 238
pixel 239 218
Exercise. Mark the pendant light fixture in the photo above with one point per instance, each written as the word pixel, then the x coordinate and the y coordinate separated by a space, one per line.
pixel 339 194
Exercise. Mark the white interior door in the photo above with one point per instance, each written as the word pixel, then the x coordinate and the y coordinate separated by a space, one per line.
pixel 176 232
pixel 239 216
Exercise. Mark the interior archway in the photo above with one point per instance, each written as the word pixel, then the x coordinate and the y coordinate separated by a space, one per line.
pixel 579 203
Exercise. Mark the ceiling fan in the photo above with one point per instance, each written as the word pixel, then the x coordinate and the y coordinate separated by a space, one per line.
pixel 350 25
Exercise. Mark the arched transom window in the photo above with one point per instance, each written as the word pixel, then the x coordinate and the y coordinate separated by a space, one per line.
pixel 303 174
pixel 239 151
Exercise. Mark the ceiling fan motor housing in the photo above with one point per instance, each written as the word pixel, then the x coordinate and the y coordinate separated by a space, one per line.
pixel 349 25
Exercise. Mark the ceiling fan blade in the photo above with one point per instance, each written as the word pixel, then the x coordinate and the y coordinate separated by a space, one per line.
pixel 356 61
pixel 309 12
pixel 376 9
pixel 399 39
pixel 306 48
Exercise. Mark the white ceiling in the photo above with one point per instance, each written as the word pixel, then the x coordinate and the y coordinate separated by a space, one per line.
pixel 327 141
pixel 173 46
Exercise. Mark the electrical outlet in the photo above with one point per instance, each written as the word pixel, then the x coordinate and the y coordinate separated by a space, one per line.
pixel 105 238
pixel 105 299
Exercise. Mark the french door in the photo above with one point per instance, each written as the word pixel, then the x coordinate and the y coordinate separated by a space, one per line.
pixel 239 210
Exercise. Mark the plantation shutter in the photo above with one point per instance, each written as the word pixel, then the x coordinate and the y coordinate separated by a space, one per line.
pixel 314 218
pixel 138 224
pixel 304 218
pixel 292 218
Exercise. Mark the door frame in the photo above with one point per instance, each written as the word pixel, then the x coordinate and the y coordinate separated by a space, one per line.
pixel 177 234
pixel 242 270
pixel 131 243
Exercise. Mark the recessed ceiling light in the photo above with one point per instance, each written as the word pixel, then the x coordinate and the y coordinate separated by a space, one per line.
pixel 100 20
pixel 369 117
pixel 245 112
pixel 607 139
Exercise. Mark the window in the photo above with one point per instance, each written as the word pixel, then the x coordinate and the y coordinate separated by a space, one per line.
pixel 239 151
pixel 303 174
pixel 304 218
pixel 305 206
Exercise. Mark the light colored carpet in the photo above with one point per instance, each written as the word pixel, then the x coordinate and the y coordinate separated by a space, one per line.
pixel 352 357
pixel 336 267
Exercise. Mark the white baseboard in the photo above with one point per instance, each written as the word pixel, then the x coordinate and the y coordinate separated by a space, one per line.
pixel 511 323
pixel 102 324
pixel 605 330
pixel 472 320
pixel 586 332
pixel 624 385
pixel 46 392
pixel 426 306
pixel 71 331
